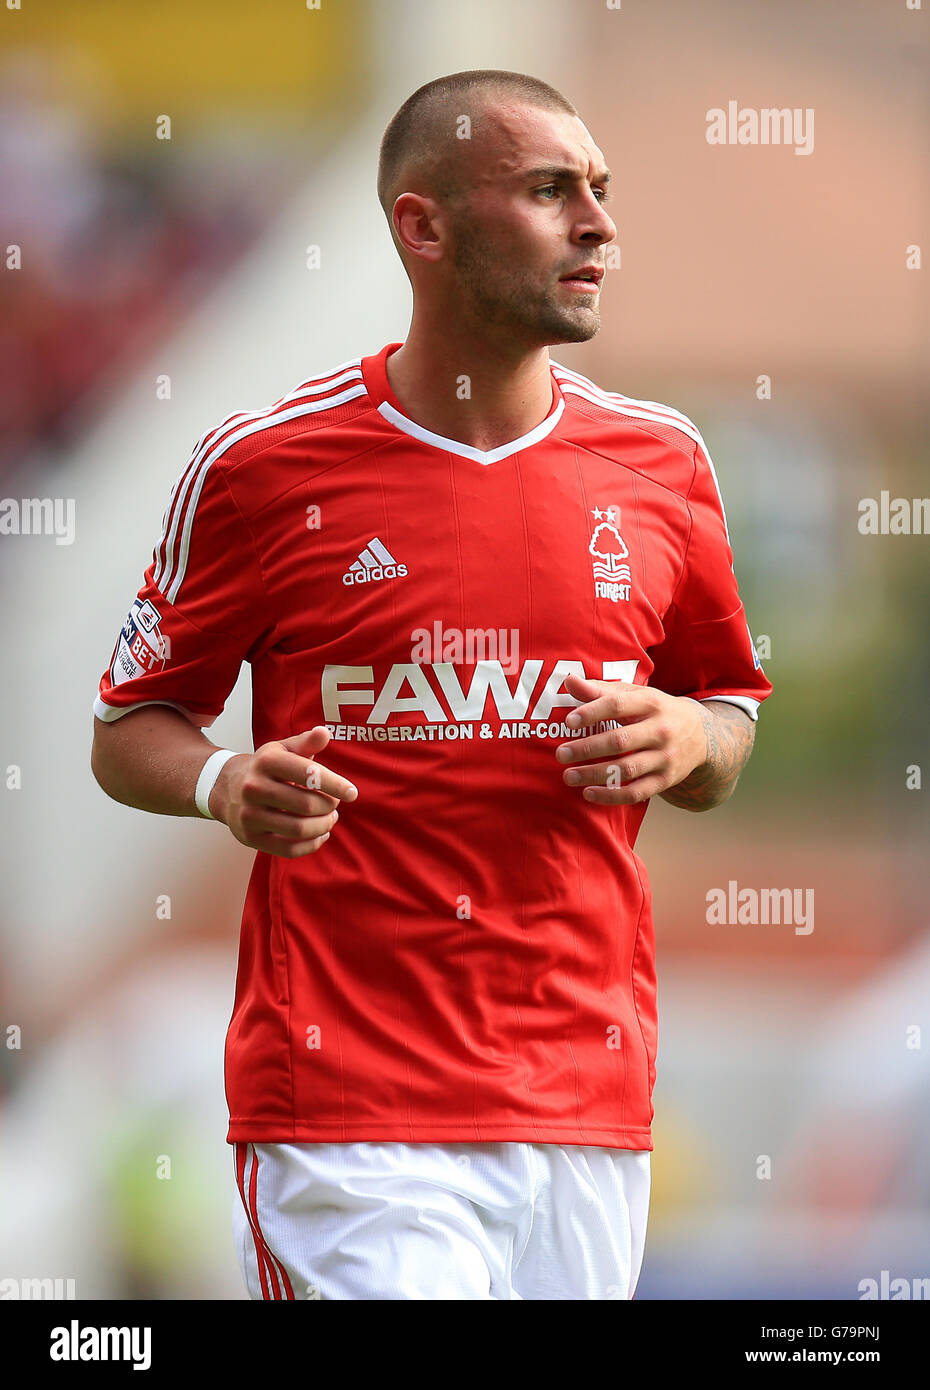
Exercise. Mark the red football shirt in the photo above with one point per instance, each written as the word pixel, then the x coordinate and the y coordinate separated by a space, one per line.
pixel 471 955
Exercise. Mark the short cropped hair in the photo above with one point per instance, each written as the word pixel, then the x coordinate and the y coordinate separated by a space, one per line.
pixel 421 130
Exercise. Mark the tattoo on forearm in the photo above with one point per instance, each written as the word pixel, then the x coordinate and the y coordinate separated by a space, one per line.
pixel 730 735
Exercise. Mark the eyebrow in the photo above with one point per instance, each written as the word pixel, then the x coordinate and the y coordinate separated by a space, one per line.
pixel 557 171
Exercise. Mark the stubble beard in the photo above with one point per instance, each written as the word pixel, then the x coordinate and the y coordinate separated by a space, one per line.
pixel 494 294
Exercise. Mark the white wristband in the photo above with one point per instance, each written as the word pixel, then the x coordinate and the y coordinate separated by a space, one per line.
pixel 207 779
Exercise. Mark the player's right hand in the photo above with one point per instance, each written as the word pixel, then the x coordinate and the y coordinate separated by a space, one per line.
pixel 279 799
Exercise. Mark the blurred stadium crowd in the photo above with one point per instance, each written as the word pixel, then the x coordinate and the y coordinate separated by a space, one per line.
pixel 116 243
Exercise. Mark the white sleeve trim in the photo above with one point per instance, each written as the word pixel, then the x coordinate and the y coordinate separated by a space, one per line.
pixel 108 713
pixel 742 702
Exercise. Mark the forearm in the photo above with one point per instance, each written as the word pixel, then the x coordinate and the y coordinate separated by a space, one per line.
pixel 151 758
pixel 730 734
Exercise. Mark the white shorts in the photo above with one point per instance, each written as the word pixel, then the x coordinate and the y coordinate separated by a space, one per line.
pixel 440 1221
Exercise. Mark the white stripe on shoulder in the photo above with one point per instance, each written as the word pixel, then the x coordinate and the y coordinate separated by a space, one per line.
pixel 667 414
pixel 174 544
pixel 164 550
pixel 196 480
pixel 653 411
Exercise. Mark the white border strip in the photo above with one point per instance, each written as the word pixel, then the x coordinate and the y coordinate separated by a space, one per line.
pixel 453 446
pixel 109 713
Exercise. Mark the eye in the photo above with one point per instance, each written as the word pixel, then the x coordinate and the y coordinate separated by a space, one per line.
pixel 601 194
pixel 548 188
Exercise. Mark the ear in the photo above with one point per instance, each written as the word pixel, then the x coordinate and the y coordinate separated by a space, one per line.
pixel 415 218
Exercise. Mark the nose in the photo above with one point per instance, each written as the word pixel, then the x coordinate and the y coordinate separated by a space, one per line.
pixel 596 227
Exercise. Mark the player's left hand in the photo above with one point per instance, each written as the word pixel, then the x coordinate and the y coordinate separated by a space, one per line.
pixel 662 741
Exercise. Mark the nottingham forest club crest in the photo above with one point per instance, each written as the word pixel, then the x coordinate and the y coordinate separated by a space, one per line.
pixel 609 553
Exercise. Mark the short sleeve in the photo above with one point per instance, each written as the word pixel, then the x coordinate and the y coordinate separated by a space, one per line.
pixel 200 612
pixel 708 652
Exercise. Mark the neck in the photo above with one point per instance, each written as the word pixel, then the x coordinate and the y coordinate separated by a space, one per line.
pixel 482 393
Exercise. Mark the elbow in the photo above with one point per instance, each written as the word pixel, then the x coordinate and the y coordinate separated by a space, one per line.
pixel 99 763
pixel 96 766
pixel 723 794
pixel 705 798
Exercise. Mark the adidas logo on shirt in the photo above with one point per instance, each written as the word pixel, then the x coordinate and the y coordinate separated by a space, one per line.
pixel 374 562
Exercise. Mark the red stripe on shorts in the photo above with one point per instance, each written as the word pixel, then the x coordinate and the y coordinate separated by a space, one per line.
pixel 272 1259
pixel 241 1152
